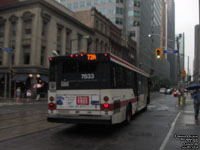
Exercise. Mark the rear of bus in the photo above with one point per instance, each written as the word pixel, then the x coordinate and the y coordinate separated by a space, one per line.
pixel 76 86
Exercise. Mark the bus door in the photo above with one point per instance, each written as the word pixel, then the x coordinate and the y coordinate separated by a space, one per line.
pixel 136 89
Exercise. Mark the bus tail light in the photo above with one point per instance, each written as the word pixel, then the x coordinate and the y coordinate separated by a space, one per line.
pixel 106 98
pixel 106 105
pixel 52 106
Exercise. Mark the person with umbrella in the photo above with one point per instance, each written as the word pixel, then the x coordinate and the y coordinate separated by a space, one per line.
pixel 196 97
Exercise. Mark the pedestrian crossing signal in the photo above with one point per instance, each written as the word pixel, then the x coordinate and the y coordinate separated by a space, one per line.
pixel 158 53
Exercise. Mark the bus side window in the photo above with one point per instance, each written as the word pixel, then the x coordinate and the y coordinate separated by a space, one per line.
pixel 114 76
pixel 134 86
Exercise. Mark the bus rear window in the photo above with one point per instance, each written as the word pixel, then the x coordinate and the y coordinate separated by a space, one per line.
pixel 79 67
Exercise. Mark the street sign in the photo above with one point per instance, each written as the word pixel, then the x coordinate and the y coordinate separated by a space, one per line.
pixel 10 50
pixel 170 51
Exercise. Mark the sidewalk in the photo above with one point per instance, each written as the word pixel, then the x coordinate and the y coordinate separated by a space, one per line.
pixel 12 101
pixel 186 132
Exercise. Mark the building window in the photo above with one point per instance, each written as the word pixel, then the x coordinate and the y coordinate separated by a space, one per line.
pixel 75 5
pixel 1 54
pixel 27 29
pixel 119 10
pixel 1 57
pixel 82 4
pixel 68 42
pixel 102 29
pixel 132 33
pixel 59 38
pixel 89 3
pixel 97 24
pixel 130 13
pixel 27 50
pixel 97 45
pixel 13 30
pixel 130 4
pixel 119 1
pixel 27 24
pixel 103 2
pixel 137 3
pixel 44 30
pixel 119 21
pixel 106 30
pixel 136 23
pixel 69 6
pixel 2 28
pixel 79 42
pixel 43 49
pixel 137 13
pixel 96 2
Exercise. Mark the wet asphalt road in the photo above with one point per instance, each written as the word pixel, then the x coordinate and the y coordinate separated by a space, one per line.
pixel 24 127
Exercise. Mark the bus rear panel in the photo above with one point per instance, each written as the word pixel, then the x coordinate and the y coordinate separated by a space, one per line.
pixel 89 88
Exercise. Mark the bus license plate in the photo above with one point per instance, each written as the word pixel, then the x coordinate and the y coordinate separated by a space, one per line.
pixel 82 100
pixel 64 84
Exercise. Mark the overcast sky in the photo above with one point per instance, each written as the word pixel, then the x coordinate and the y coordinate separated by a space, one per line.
pixel 187 16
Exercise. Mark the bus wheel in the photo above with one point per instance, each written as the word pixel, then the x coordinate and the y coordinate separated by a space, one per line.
pixel 128 115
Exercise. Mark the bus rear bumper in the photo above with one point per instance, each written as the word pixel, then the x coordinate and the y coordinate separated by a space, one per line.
pixel 107 120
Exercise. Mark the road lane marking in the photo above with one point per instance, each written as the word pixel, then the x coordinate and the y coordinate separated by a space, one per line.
pixel 163 145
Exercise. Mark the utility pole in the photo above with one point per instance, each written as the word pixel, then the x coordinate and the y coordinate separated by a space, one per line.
pixel 166 27
pixel 161 24
pixel 178 61
pixel 188 71
pixel 179 72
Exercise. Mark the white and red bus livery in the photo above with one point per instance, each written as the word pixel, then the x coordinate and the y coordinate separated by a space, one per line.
pixel 95 88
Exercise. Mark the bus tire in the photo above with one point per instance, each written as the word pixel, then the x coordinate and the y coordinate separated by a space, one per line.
pixel 128 114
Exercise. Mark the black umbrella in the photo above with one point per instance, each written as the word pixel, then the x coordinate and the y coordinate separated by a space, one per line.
pixel 193 86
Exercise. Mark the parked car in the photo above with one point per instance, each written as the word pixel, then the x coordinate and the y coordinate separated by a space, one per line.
pixel 162 90
pixel 169 91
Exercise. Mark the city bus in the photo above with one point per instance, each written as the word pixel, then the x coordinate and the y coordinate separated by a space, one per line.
pixel 98 88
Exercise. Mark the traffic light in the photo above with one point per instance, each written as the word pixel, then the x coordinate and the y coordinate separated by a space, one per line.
pixel 158 53
pixel 183 74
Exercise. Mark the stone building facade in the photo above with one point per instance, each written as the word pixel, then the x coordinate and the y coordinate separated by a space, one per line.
pixel 36 28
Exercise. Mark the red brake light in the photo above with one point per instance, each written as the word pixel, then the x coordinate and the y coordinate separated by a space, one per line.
pixel 81 54
pixel 71 55
pixel 50 58
pixel 105 54
pixel 52 106
pixel 76 55
pixel 106 105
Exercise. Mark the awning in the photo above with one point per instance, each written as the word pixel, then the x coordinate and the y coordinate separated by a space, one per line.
pixel 44 78
pixel 20 77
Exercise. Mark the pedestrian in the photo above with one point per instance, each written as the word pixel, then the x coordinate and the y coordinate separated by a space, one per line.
pixel 196 98
pixel 18 94
pixel 28 95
